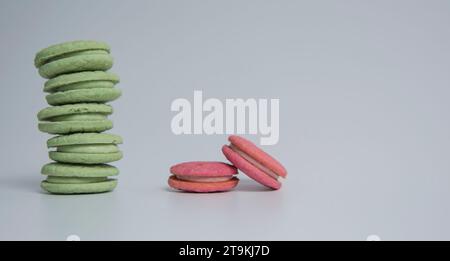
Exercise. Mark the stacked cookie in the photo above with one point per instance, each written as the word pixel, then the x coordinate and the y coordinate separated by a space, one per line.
pixel 79 86
pixel 212 176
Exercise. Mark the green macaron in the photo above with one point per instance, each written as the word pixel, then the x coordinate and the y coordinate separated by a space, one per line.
pixel 81 80
pixel 82 87
pixel 56 169
pixel 73 118
pixel 75 56
pixel 85 148
pixel 80 188
pixel 97 95
pixel 57 50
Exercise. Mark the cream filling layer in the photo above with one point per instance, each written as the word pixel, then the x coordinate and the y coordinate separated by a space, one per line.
pixel 204 179
pixel 255 163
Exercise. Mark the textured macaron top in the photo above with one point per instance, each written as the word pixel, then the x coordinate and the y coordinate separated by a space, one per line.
pixel 67 79
pixel 203 169
pixel 84 138
pixel 258 155
pixel 79 170
pixel 70 109
pixel 57 50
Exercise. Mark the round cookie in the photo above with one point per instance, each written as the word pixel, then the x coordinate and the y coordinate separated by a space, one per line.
pixel 92 61
pixel 201 176
pixel 75 56
pixel 72 118
pixel 254 162
pixel 56 169
pixel 85 148
pixel 97 187
pixel 96 95
pixel 57 50
pixel 85 158
pixel 81 80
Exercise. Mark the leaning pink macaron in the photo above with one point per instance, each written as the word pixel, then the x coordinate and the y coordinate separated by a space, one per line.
pixel 254 162
pixel 203 176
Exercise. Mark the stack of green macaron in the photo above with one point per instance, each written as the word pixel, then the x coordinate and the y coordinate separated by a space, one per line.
pixel 79 86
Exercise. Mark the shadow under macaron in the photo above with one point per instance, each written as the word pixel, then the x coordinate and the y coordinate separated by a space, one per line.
pixel 244 185
pixel 247 185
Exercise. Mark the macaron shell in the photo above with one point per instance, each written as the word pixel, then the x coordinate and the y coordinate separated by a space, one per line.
pixel 84 138
pixel 69 109
pixel 79 63
pixel 77 170
pixel 249 169
pixel 80 117
pixel 204 169
pixel 202 187
pixel 258 154
pixel 84 85
pixel 66 127
pixel 85 158
pixel 97 95
pixel 87 188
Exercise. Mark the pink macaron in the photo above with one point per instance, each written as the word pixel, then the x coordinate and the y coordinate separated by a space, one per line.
pixel 254 162
pixel 203 176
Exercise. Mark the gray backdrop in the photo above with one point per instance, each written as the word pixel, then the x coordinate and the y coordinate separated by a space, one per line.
pixel 364 94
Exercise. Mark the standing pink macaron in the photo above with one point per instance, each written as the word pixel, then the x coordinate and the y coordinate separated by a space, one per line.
pixel 254 162
pixel 203 176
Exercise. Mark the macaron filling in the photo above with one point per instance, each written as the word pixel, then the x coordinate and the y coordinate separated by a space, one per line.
pixel 84 158
pixel 88 148
pixel 255 163
pixel 74 180
pixel 203 179
pixel 79 117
